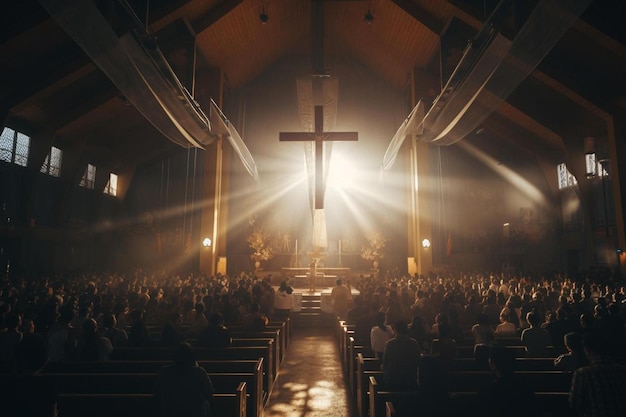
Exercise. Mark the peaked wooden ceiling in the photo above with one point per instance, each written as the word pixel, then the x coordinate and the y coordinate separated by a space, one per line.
pixel 51 90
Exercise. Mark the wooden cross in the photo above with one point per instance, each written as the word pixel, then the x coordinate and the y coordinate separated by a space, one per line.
pixel 319 136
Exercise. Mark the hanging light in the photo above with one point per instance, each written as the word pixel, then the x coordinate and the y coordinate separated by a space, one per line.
pixel 263 17
pixel 369 17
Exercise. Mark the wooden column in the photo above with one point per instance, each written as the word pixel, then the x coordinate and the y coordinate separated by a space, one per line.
pixel 419 219
pixel 616 132
pixel 214 205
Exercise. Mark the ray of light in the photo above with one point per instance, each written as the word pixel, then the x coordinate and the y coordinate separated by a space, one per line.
pixel 506 173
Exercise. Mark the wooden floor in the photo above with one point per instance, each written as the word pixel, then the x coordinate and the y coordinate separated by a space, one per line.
pixel 310 381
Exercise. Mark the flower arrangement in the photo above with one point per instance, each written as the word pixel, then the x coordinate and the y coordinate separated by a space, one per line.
pixel 374 250
pixel 258 242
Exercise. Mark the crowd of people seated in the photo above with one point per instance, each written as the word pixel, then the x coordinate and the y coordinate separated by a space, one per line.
pixel 548 317
pixel 75 317
pixel 88 316
pixel 538 311
pixel 85 318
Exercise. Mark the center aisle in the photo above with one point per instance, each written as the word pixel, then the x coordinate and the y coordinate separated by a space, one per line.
pixel 310 381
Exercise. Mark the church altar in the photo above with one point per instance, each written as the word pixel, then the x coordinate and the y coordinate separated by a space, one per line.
pixel 345 273
pixel 325 296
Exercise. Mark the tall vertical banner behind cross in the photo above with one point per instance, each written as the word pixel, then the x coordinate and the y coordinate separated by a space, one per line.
pixel 319 137
pixel 317 107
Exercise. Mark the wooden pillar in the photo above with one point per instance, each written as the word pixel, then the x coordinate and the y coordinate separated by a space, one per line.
pixel 616 134
pixel 421 195
pixel 214 206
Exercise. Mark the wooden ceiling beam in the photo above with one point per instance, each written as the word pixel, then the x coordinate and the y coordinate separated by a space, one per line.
pixel 53 85
pixel 36 82
pixel 597 36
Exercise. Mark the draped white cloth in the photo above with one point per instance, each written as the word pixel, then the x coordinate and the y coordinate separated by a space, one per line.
pixel 221 126
pixel 141 73
pixel 492 67
pixel 411 126
pixel 317 91
pixel 136 66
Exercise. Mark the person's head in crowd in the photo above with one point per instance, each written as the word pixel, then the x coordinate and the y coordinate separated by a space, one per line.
pixel 66 314
pixel 594 345
pixel 483 319
pixel 199 307
pixel 445 330
pixel 561 313
pixel 401 327
pixel 533 319
pixel 109 321
pixel 184 355
pixel 442 319
pixel 13 321
pixel 600 311
pixel 90 327
pixel 586 321
pixel 216 319
pixel 285 287
pixel 136 315
pixel 28 326
pixel 379 319
pixel 573 342
pixel 417 323
pixel 505 315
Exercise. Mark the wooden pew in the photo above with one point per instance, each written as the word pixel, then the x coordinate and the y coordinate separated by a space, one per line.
pixel 404 403
pixel 390 410
pixel 538 381
pixel 365 368
pixel 521 364
pixel 467 351
pixel 227 353
pixel 122 367
pixel 111 383
pixel 378 398
pixel 142 405
pixel 250 342
pixel 279 329
pixel 467 381
pixel 354 350
pixel 275 335
pixel 343 331
pixel 257 387
pixel 461 382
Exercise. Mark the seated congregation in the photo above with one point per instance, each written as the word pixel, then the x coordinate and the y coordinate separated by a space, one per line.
pixel 139 346
pixel 448 345
pixel 480 345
